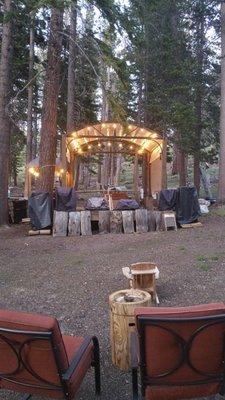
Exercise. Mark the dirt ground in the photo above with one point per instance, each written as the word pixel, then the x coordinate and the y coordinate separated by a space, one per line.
pixel 71 278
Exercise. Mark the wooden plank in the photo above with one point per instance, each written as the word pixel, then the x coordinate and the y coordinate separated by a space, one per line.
pixel 141 217
pixel 104 222
pixel 86 223
pixel 74 226
pixel 60 223
pixel 151 221
pixel 33 233
pixel 116 222
pixel 194 225
pixel 45 231
pixel 158 220
pixel 128 221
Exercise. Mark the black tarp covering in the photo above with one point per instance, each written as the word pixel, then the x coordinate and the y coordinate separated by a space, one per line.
pixel 187 207
pixel 168 199
pixel 40 210
pixel 127 204
pixel 65 199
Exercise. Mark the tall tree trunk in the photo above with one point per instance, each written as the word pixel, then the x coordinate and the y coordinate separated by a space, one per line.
pixel 221 187
pixel 29 149
pixel 182 168
pixel 200 37
pixel 71 69
pixel 49 110
pixel 5 64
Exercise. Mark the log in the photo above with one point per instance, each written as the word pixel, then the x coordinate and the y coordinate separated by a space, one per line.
pixel 128 221
pixel 116 222
pixel 104 222
pixel 151 221
pixel 60 223
pixel 45 231
pixel 74 227
pixel 86 223
pixel 33 233
pixel 121 316
pixel 141 217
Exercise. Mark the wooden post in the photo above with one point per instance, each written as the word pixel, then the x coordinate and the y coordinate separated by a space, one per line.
pixel 135 178
pixel 86 223
pixel 104 222
pixel 141 217
pixel 60 223
pixel 63 159
pixel 116 222
pixel 128 221
pixel 74 227
pixel 164 162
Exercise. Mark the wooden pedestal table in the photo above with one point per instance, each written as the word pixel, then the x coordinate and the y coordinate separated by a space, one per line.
pixel 122 323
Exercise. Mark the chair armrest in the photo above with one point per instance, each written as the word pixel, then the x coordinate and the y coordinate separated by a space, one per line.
pixel 134 363
pixel 77 358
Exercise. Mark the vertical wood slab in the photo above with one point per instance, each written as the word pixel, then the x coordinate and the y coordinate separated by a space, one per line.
pixel 74 223
pixel 151 221
pixel 158 220
pixel 116 222
pixel 104 222
pixel 60 223
pixel 141 217
pixel 86 223
pixel 128 221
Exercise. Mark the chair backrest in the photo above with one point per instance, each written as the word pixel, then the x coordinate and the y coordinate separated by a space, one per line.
pixel 182 351
pixel 32 354
pixel 143 276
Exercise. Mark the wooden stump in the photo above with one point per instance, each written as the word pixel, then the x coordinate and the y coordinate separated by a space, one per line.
pixel 151 221
pixel 141 217
pixel 86 223
pixel 121 315
pixel 74 223
pixel 116 222
pixel 60 223
pixel 128 221
pixel 104 222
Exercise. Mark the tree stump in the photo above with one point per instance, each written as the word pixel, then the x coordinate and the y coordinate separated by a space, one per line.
pixel 141 217
pixel 104 222
pixel 128 221
pixel 151 221
pixel 60 223
pixel 74 223
pixel 116 222
pixel 86 223
pixel 121 316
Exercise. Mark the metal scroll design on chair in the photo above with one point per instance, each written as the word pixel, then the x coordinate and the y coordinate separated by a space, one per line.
pixel 19 350
pixel 185 356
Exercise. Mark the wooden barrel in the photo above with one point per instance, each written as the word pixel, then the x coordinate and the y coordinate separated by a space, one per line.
pixel 121 316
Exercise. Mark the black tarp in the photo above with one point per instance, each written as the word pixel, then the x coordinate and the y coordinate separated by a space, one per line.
pixel 127 204
pixel 187 206
pixel 168 199
pixel 96 203
pixel 65 199
pixel 40 210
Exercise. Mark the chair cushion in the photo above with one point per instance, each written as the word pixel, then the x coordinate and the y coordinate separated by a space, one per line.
pixel 163 351
pixel 72 345
pixel 37 354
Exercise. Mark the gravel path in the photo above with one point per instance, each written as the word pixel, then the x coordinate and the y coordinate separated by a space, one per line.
pixel 71 279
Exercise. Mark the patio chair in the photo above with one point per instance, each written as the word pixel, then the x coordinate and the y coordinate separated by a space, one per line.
pixel 36 359
pixel 181 352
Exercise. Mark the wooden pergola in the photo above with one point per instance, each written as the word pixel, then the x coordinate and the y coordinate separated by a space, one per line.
pixel 113 138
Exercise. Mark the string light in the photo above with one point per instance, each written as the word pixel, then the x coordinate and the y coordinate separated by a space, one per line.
pixel 89 147
pixel 131 147
pixel 99 144
pixel 130 127
pixel 103 125
pixel 114 126
pixel 109 144
pixel 120 145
